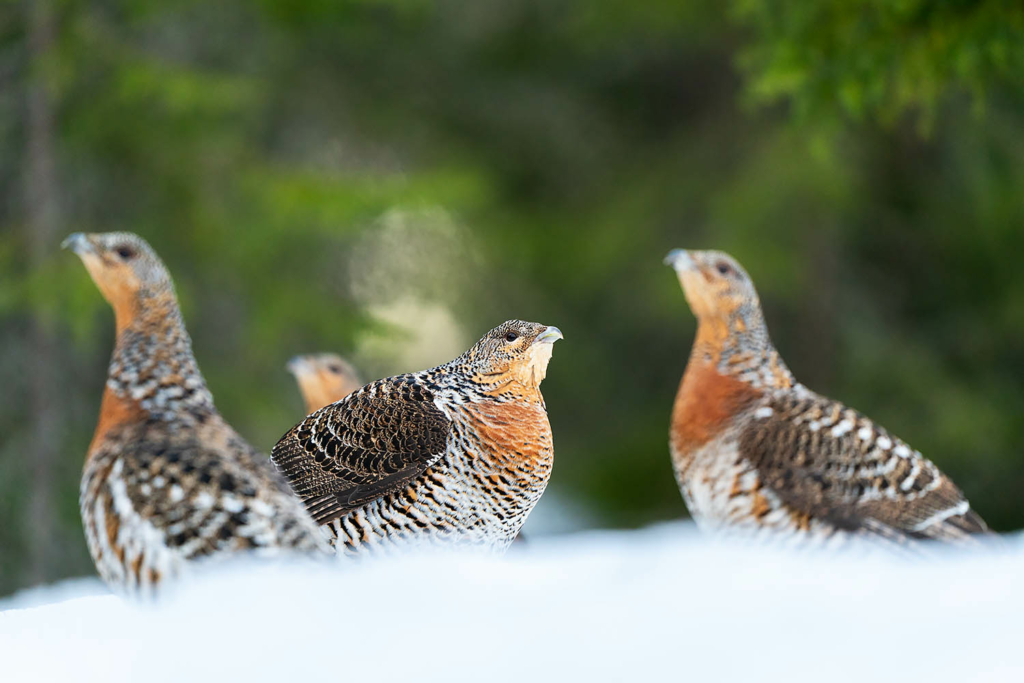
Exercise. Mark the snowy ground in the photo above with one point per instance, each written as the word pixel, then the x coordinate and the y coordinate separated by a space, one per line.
pixel 659 605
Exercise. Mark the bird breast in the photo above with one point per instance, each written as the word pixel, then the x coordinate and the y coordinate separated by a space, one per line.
pixel 511 439
pixel 705 406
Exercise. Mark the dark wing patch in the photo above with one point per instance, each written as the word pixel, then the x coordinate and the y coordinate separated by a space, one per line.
pixel 363 447
pixel 833 463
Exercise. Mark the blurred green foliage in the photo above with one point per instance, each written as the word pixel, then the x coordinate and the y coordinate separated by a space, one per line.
pixel 261 146
pixel 880 58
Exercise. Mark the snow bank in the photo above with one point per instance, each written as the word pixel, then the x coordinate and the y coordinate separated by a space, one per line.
pixel 664 604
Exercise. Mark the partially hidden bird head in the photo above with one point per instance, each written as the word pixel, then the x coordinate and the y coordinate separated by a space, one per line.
pixel 722 297
pixel 126 270
pixel 323 378
pixel 512 359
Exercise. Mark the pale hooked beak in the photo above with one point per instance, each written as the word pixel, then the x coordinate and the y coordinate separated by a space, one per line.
pixel 298 365
pixel 78 243
pixel 680 260
pixel 549 336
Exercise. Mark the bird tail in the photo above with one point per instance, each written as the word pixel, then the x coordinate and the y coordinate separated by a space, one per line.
pixel 326 508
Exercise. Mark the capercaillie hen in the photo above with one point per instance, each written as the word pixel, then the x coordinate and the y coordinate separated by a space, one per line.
pixel 754 450
pixel 456 455
pixel 166 480
pixel 323 378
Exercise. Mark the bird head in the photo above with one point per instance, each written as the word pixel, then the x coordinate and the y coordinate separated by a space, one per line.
pixel 124 267
pixel 715 284
pixel 513 354
pixel 722 297
pixel 323 378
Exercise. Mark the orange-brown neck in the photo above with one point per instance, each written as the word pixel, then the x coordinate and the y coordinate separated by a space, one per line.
pixel 713 337
pixel 115 412
pixel 741 350
pixel 514 383
pixel 705 403
pixel 514 392
pixel 520 380
pixel 124 290
pixel 149 311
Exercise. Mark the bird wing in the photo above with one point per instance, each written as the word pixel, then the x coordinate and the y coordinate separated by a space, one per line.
pixel 363 447
pixel 203 499
pixel 829 461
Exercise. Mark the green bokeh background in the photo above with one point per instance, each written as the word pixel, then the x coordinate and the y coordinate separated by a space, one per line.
pixel 862 158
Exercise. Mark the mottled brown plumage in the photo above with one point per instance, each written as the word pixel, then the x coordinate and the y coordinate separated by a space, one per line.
pixel 323 378
pixel 166 480
pixel 458 454
pixel 834 463
pixel 754 450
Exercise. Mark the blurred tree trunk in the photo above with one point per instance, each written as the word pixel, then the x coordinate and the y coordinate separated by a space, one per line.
pixel 41 225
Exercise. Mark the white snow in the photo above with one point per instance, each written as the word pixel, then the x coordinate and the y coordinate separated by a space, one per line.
pixel 665 604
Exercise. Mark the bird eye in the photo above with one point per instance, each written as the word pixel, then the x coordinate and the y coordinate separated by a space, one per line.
pixel 724 268
pixel 336 369
pixel 511 337
pixel 125 252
